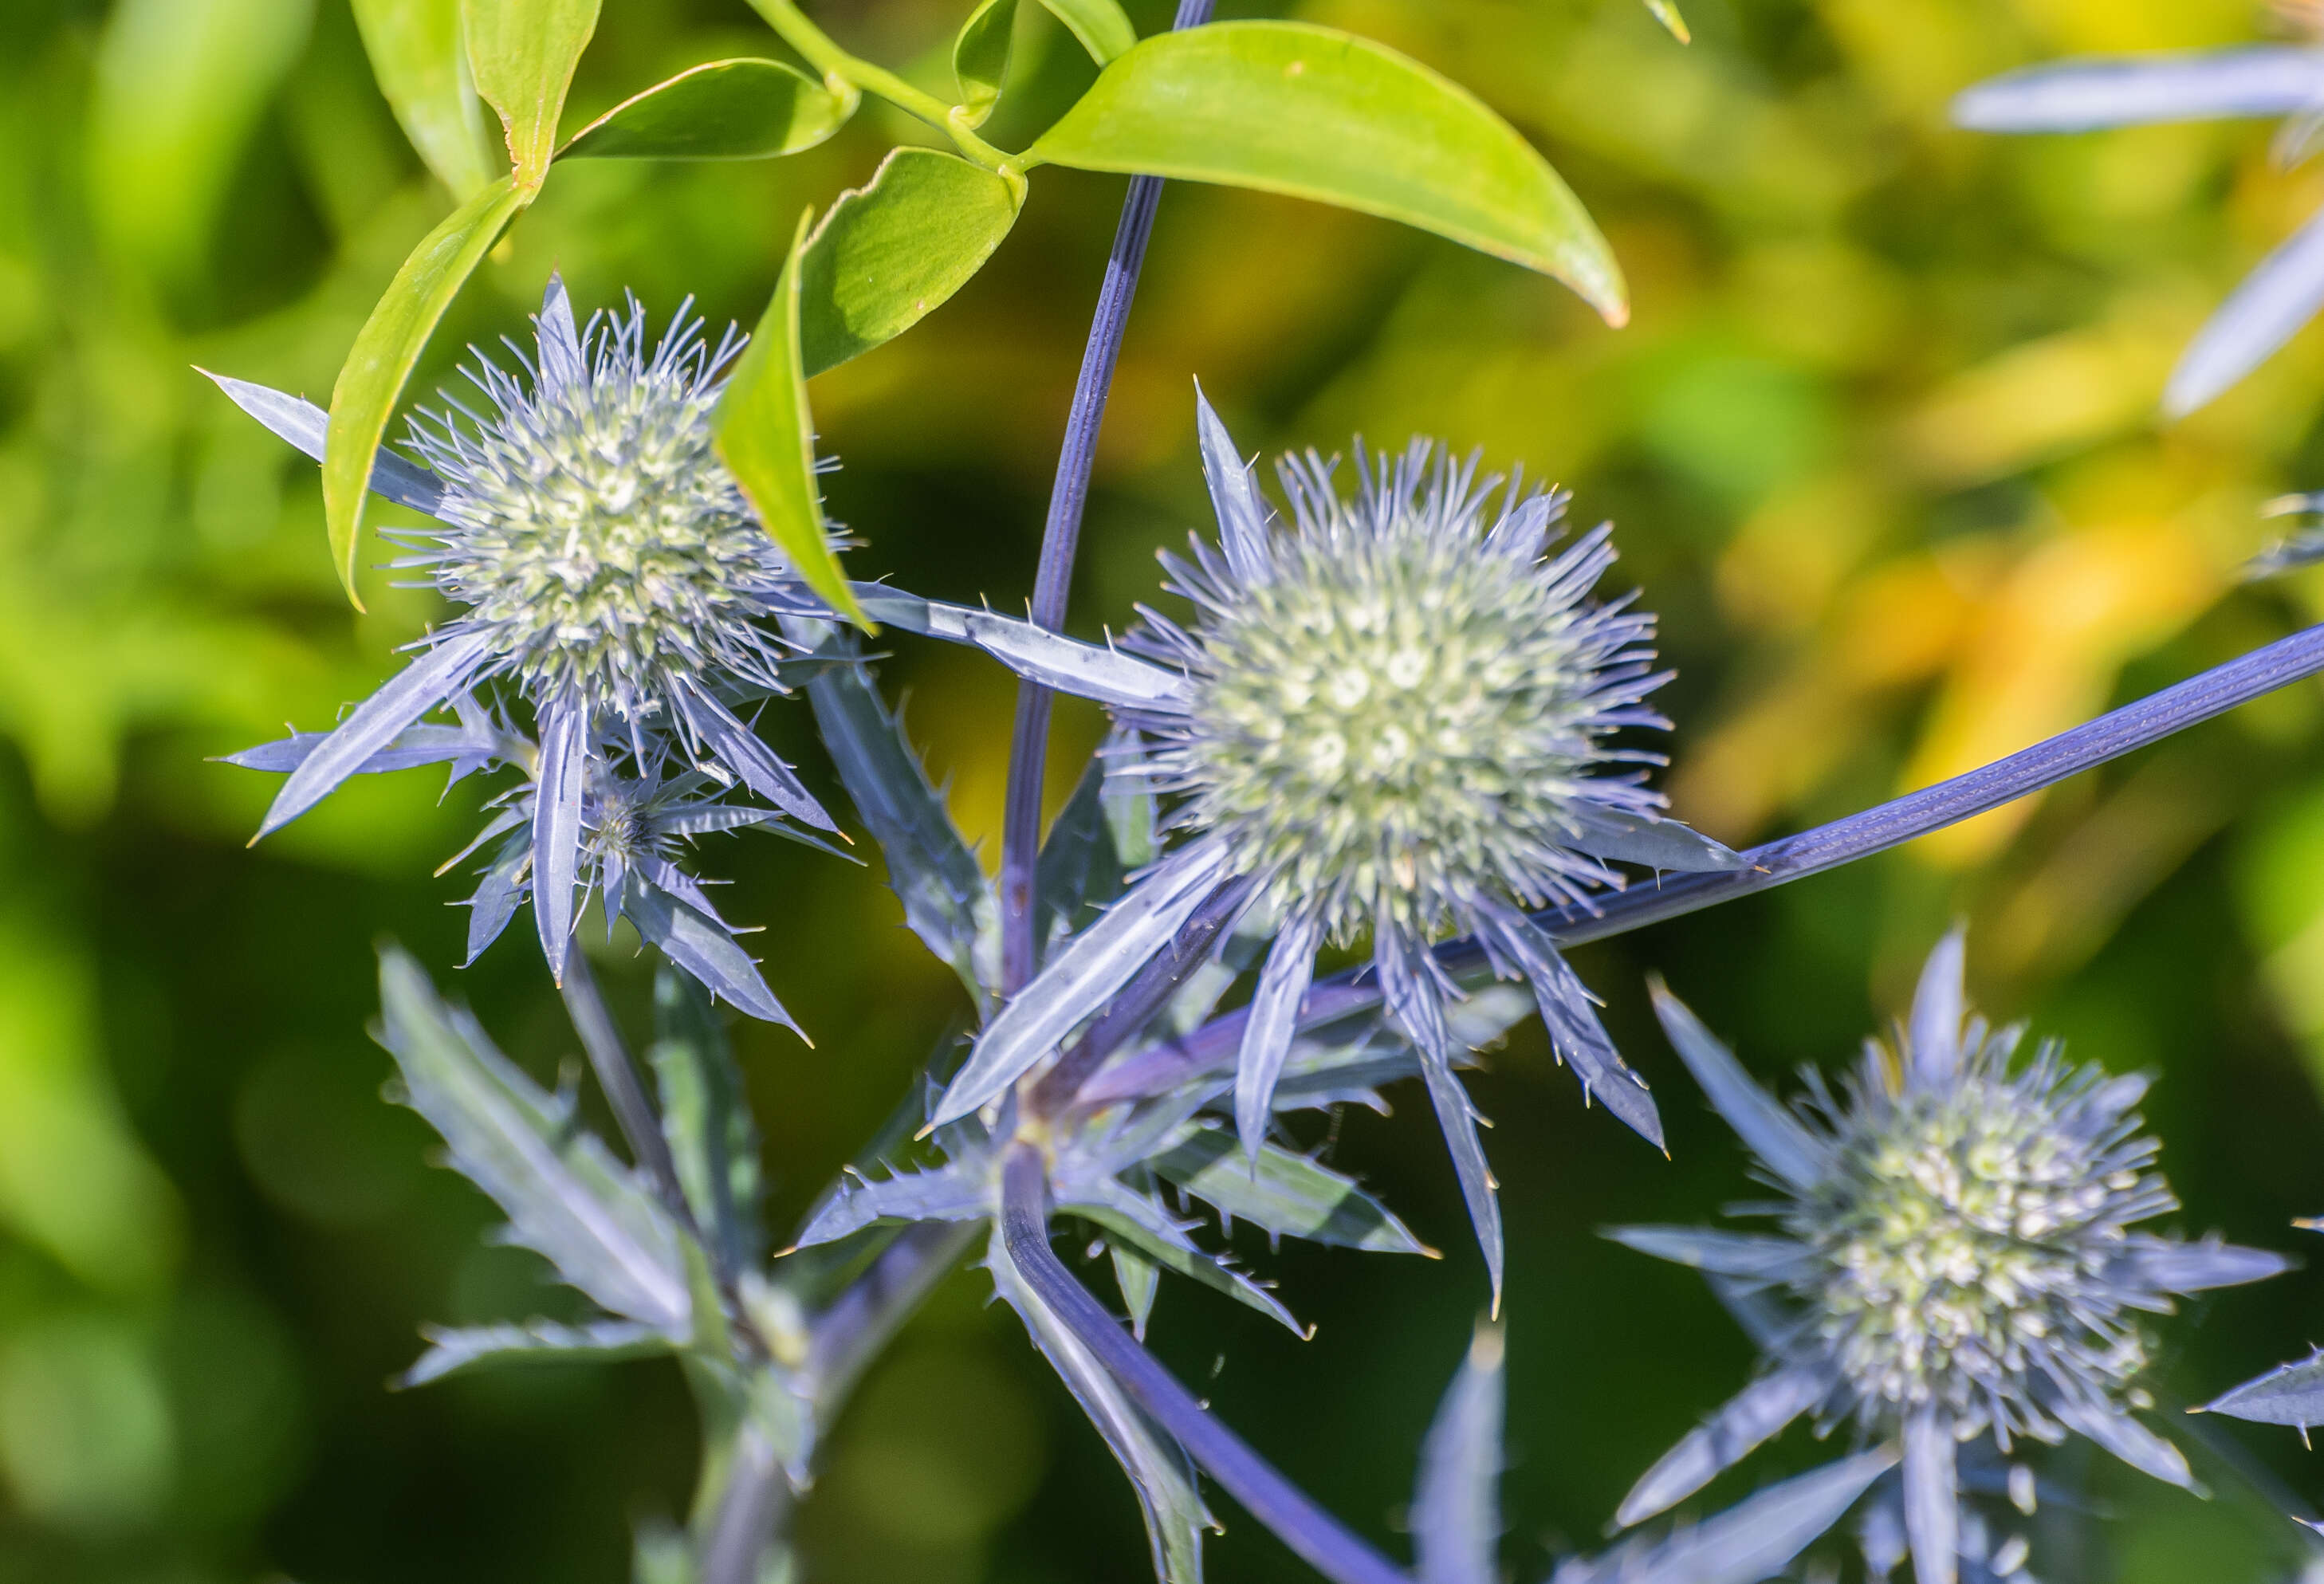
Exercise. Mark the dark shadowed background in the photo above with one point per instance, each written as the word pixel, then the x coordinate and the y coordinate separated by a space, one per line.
pixel 1881 447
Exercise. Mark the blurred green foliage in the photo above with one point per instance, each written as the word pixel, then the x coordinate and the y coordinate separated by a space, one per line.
pixel 1880 444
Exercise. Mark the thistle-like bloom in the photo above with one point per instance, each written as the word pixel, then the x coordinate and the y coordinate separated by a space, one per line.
pixel 607 571
pixel 1393 718
pixel 1952 1268
pixel 2287 289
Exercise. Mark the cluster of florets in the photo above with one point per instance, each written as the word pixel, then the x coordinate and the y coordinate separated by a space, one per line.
pixel 592 529
pixel 1399 708
pixel 1966 1239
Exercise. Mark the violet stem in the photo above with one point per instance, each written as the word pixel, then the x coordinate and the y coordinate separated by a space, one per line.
pixel 1790 857
pixel 1028 747
pixel 609 1057
pixel 848 1334
pixel 743 1524
pixel 1319 1539
pixel 1144 995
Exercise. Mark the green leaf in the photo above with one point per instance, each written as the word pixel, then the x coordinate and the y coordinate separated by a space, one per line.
pixel 523 54
pixel 722 110
pixel 1319 114
pixel 567 1198
pixel 947 898
pixel 1667 14
pixel 889 252
pixel 980 58
pixel 1078 871
pixel 387 348
pixel 766 436
pixel 1286 1194
pixel 1139 1278
pixel 450 1351
pixel 707 1117
pixel 421 65
pixel 1102 25
pixel 1146 1227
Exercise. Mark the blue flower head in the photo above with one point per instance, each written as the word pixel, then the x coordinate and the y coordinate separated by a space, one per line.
pixel 2286 289
pixel 608 578
pixel 1393 716
pixel 1952 1268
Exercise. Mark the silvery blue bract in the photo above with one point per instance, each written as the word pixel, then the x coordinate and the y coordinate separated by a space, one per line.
pixel 1952 1269
pixel 1393 719
pixel 609 575
pixel 2286 289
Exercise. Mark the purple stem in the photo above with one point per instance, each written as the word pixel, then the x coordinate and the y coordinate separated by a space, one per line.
pixel 1860 835
pixel 1319 1539
pixel 1028 747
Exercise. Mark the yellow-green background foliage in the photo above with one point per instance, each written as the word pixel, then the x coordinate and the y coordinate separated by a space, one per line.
pixel 1881 444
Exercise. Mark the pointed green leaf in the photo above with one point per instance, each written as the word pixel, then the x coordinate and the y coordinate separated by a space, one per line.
pixel 1078 873
pixel 707 1117
pixel 388 346
pixel 1667 14
pixel 1139 1278
pixel 722 110
pixel 523 54
pixel 980 58
pixel 1144 1226
pixel 890 252
pixel 1284 1193
pixel 948 899
pixel 421 65
pixel 767 437
pixel 567 1198
pixel 1103 26
pixel 534 1341
pixel 1318 114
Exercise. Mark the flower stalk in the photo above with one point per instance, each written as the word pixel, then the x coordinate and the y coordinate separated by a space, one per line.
pixel 1028 748
pixel 1319 1539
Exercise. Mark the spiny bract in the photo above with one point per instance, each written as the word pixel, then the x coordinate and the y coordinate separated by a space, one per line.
pixel 593 529
pixel 1396 710
pixel 1955 1267
pixel 1964 1237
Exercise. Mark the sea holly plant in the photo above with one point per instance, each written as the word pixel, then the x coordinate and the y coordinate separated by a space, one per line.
pixel 1279 107
pixel 1400 714
pixel 1957 1272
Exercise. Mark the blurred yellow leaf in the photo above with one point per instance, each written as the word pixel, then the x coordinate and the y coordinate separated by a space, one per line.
pixel 2042 398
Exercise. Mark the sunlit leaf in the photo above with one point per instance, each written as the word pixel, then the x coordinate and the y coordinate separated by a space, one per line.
pixel 890 252
pixel 1319 114
pixel 767 437
pixel 722 110
pixel 980 58
pixel 387 348
pixel 417 55
pixel 523 54
pixel 1103 26
pixel 1667 14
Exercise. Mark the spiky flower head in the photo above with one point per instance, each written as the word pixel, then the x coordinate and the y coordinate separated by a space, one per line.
pixel 590 526
pixel 1955 1259
pixel 1398 707
pixel 1392 715
pixel 1965 1237
pixel 610 579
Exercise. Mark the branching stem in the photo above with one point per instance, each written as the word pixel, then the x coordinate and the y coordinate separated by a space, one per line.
pixel 1319 1539
pixel 1028 748
pixel 1860 835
